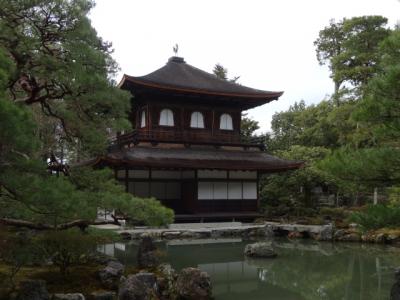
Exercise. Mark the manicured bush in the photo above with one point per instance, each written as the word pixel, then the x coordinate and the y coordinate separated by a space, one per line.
pixel 377 216
pixel 150 211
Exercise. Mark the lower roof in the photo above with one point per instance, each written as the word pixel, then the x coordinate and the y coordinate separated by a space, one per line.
pixel 189 158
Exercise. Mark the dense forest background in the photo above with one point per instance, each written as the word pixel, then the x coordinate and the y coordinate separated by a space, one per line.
pixel 349 141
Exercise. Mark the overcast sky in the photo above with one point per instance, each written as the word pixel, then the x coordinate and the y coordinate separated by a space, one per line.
pixel 269 44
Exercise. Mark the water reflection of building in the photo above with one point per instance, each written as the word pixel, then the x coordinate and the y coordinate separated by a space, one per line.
pixel 303 270
pixel 109 249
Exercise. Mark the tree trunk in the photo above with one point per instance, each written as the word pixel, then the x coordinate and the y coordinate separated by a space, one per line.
pixel 375 196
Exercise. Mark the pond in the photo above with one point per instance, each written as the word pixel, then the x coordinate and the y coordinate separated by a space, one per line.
pixel 304 269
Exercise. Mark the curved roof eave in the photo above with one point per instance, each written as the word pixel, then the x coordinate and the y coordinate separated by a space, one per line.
pixel 267 96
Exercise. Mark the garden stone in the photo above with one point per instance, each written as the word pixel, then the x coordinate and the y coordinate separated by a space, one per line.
pixel 193 284
pixel 170 235
pixel 326 233
pixel 165 282
pixel 268 231
pixel 33 290
pixel 295 235
pixel 111 274
pixel 338 234
pixel 147 254
pixel 134 289
pixel 149 279
pixel 262 250
pixel 103 295
pixel 74 296
pixel 351 237
pixel 189 235
pixel 393 238
pixel 380 238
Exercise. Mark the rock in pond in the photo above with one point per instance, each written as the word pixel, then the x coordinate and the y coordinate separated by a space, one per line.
pixel 107 295
pixel 193 284
pixel 136 288
pixel 262 250
pixel 33 290
pixel 149 279
pixel 166 281
pixel 72 296
pixel 111 274
pixel 326 233
pixel 147 254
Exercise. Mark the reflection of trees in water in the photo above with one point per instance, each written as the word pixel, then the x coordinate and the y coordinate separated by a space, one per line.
pixel 343 272
pixel 302 270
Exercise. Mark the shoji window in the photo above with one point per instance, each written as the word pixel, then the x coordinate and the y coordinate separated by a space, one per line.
pixel 197 120
pixel 222 190
pixel 225 122
pixel 249 190
pixel 143 119
pixel 166 117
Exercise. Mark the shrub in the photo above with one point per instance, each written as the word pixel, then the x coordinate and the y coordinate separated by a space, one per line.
pixel 67 248
pixel 16 251
pixel 337 213
pixel 377 216
pixel 150 212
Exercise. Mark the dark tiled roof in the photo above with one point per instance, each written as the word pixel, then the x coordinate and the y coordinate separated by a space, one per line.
pixel 177 75
pixel 198 158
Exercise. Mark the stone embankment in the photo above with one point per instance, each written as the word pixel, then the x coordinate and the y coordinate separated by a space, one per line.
pixel 225 230
pixel 326 232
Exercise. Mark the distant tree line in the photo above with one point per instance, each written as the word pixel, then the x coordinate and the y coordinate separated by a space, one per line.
pixel 350 141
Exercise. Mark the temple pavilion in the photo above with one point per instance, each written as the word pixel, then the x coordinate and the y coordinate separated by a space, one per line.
pixel 186 147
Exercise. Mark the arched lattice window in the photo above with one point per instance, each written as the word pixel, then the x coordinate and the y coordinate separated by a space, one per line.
pixel 225 122
pixel 197 120
pixel 143 119
pixel 166 117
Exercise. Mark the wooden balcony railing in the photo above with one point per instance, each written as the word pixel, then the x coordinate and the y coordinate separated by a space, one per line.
pixel 186 137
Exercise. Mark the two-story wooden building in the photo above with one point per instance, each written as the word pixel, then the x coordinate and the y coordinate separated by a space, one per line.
pixel 186 147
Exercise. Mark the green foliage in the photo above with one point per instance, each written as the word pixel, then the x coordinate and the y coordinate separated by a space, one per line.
pixel 351 47
pixel 150 212
pixel 372 158
pixel 248 127
pixel 377 216
pixel 294 188
pixel 322 125
pixel 336 213
pixel 62 65
pixel 394 196
pixel 67 248
pixel 222 73
pixel 57 100
pixel 349 142
pixel 16 251
pixel 380 109
pixel 367 165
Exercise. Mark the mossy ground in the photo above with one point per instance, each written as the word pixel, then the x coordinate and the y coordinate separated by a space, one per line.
pixel 388 231
pixel 80 279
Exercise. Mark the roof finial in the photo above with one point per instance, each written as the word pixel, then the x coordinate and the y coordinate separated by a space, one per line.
pixel 175 49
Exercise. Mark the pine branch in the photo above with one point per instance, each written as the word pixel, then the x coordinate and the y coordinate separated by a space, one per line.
pixel 80 223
